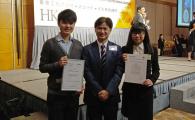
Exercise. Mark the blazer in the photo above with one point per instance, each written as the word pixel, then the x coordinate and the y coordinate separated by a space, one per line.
pixel 138 18
pixel 161 43
pixel 109 78
pixel 50 54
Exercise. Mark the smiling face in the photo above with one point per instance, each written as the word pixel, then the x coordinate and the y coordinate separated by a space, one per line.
pixel 138 37
pixel 66 22
pixel 142 10
pixel 102 32
pixel 66 28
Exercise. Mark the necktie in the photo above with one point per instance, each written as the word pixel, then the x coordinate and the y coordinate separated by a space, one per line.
pixel 103 55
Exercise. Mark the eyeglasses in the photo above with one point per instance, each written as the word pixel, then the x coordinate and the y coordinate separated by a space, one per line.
pixel 139 33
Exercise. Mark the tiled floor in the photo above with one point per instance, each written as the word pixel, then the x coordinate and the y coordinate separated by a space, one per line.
pixel 173 114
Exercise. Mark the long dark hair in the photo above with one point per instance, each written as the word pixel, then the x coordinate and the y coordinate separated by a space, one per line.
pixel 160 36
pixel 139 27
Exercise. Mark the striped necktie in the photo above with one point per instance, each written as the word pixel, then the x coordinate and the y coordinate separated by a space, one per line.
pixel 103 55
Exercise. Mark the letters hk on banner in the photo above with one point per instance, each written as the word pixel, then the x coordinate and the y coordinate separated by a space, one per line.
pixel 120 11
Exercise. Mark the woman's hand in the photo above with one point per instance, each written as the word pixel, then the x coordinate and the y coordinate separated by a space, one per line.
pixel 81 91
pixel 148 82
pixel 124 56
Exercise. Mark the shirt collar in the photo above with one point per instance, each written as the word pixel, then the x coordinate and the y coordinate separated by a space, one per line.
pixel 59 38
pixel 140 14
pixel 140 46
pixel 105 44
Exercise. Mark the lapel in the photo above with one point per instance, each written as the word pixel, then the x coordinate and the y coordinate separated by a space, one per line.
pixel 62 51
pixel 95 51
pixel 72 47
pixel 108 52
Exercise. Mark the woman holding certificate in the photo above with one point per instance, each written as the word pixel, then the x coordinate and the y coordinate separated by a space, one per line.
pixel 137 98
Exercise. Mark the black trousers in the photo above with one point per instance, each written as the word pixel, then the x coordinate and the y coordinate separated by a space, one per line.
pixel 62 107
pixel 107 111
pixel 161 51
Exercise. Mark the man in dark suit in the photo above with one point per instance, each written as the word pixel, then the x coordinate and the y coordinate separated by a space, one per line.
pixel 139 17
pixel 103 73
pixel 62 105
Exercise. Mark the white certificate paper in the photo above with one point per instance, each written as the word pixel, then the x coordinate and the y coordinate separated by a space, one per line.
pixel 72 78
pixel 135 68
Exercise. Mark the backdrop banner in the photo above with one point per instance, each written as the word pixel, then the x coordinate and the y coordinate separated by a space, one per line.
pixel 87 11
pixel 45 18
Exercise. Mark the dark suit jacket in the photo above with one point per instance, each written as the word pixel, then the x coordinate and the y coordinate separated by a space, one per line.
pixel 161 43
pixel 112 73
pixel 191 24
pixel 51 53
pixel 138 18
pixel 133 91
pixel 191 41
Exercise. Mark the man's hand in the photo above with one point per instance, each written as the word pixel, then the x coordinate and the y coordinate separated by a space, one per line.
pixel 63 61
pixel 103 95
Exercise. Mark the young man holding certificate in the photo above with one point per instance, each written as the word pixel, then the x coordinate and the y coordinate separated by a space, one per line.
pixel 103 73
pixel 62 105
pixel 137 97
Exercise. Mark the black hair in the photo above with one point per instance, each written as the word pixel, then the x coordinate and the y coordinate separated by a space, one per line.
pixel 140 7
pixel 159 38
pixel 160 35
pixel 102 20
pixel 138 28
pixel 67 15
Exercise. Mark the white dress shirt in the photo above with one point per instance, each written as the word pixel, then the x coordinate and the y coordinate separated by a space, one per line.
pixel 100 44
pixel 138 49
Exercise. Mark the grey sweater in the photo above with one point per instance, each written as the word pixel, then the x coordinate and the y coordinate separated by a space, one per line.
pixel 50 54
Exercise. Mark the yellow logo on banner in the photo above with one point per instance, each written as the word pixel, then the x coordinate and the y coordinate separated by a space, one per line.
pixel 126 15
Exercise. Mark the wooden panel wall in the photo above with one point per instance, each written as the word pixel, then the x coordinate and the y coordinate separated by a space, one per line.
pixel 28 30
pixel 17 29
pixel 159 21
pixel 162 15
pixel 6 36
pixel 166 21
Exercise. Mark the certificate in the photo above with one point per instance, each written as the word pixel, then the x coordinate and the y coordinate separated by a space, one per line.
pixel 72 78
pixel 135 68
